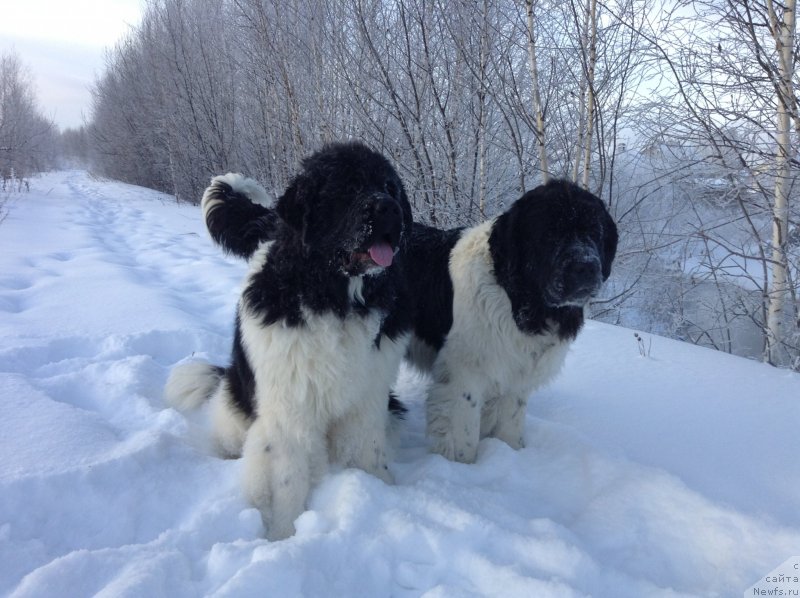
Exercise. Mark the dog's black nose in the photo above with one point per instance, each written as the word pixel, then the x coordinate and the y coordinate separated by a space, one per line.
pixel 386 207
pixel 582 276
pixel 386 213
pixel 584 270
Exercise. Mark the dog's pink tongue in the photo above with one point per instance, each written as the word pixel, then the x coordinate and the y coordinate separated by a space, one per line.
pixel 382 254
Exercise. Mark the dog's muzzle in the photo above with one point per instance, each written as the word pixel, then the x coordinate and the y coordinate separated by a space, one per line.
pixel 383 225
pixel 578 277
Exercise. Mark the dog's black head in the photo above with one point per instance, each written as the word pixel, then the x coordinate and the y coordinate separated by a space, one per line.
pixel 552 250
pixel 349 208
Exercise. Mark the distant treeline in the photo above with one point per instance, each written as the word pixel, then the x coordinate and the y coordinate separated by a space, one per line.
pixel 29 141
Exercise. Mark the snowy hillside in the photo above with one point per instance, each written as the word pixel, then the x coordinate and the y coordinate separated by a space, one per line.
pixel 675 474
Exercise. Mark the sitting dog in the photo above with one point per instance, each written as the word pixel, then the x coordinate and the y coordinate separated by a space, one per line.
pixel 321 326
pixel 497 306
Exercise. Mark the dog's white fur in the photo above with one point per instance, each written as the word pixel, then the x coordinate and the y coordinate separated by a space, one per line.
pixel 487 368
pixel 321 396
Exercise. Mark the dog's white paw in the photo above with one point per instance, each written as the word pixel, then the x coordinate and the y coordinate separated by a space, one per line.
pixel 276 529
pixel 452 449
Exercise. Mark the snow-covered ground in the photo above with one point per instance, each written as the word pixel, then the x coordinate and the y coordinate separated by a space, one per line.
pixel 673 474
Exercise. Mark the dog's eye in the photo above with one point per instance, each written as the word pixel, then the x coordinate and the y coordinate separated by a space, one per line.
pixel 391 188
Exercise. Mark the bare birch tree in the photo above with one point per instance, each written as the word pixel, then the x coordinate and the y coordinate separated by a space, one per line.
pixel 782 29
pixel 538 108
pixel 591 60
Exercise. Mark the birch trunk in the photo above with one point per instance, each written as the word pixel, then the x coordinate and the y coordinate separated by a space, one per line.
pixel 783 32
pixel 537 98
pixel 590 100
pixel 576 166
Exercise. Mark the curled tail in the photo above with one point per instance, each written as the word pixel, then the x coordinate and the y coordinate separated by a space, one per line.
pixel 236 213
pixel 191 384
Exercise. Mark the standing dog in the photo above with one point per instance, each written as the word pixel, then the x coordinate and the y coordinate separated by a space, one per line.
pixel 497 306
pixel 321 326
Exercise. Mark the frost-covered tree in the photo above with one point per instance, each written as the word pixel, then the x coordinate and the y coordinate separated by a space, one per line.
pixel 27 137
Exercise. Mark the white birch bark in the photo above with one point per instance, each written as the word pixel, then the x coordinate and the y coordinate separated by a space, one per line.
pixel 783 31
pixel 590 99
pixel 537 98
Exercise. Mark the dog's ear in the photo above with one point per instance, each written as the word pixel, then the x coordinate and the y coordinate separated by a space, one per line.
pixel 293 205
pixel 610 238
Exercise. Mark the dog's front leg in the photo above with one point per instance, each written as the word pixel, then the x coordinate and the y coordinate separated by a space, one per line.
pixel 509 419
pixel 280 466
pixel 358 439
pixel 454 420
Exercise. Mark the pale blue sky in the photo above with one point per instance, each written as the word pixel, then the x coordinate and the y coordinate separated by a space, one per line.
pixel 62 43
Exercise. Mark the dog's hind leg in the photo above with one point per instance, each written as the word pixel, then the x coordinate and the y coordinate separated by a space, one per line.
pixel 280 468
pixel 229 424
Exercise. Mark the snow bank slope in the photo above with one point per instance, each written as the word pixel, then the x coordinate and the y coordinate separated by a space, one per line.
pixel 675 474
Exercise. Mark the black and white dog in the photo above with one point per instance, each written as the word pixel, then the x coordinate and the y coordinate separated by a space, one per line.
pixel 497 306
pixel 321 327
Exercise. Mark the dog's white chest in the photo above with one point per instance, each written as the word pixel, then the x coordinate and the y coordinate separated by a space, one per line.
pixel 516 360
pixel 484 336
pixel 319 365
